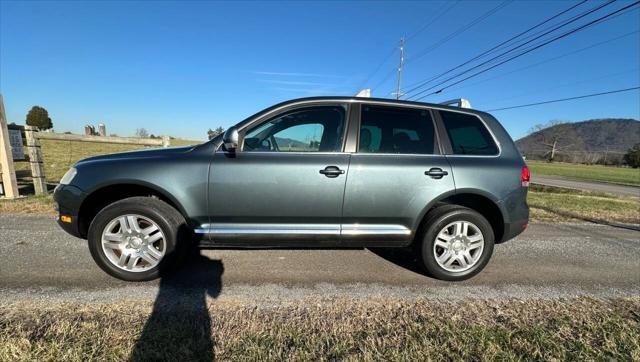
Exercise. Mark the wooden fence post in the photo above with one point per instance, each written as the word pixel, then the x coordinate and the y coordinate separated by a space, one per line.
pixel 7 171
pixel 35 159
pixel 166 141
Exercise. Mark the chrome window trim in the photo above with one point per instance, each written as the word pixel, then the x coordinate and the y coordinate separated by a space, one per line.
pixel 323 153
pixel 433 123
pixel 493 136
pixel 351 101
pixel 293 107
pixel 435 108
pixel 398 154
pixel 319 102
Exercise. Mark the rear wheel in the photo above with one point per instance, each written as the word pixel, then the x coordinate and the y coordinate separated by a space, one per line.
pixel 137 238
pixel 457 243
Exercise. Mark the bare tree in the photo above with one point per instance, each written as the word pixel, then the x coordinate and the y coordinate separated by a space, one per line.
pixel 554 137
pixel 142 133
pixel 213 133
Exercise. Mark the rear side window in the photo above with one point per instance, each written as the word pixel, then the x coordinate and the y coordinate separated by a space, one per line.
pixel 468 135
pixel 396 130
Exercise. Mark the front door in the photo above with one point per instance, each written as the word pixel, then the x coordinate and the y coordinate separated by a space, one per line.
pixel 285 183
pixel 396 172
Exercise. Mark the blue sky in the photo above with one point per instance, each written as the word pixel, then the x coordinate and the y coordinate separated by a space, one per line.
pixel 180 68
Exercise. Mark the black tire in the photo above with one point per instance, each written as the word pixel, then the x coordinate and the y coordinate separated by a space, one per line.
pixel 435 221
pixel 168 219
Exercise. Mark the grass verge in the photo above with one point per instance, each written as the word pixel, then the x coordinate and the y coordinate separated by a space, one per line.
pixel 41 204
pixel 619 175
pixel 593 205
pixel 576 329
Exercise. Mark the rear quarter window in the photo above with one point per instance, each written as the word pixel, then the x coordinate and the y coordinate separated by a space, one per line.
pixel 468 134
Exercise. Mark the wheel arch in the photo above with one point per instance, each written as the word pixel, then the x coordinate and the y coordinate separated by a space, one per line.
pixel 480 201
pixel 105 194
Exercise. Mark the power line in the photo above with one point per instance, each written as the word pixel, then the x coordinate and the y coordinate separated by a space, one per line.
pixel 551 59
pixel 384 79
pixel 460 30
pixel 377 69
pixel 563 85
pixel 511 50
pixel 564 99
pixel 439 14
pixel 575 30
pixel 499 45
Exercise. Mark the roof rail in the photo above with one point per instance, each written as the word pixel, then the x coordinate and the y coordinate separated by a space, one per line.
pixel 460 102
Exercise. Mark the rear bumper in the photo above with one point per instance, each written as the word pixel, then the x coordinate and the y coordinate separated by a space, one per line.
pixel 511 230
pixel 68 199
pixel 516 214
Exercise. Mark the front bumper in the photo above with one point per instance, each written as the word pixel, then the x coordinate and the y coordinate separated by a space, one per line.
pixel 68 199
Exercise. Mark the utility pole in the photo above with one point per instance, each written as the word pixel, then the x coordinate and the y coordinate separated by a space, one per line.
pixel 398 94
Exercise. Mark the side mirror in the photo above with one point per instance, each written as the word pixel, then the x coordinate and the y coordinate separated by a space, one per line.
pixel 230 139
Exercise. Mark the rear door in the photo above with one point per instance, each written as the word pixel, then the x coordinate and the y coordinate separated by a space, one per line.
pixel 396 171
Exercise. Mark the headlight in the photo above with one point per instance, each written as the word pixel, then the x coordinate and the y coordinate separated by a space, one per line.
pixel 68 177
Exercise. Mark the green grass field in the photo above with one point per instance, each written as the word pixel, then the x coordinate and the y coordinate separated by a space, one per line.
pixel 619 175
pixel 60 155
pixel 584 204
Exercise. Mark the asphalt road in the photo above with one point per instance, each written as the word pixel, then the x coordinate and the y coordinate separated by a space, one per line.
pixel 586 185
pixel 38 261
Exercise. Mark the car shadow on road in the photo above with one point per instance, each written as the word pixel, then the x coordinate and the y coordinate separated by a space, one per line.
pixel 179 327
pixel 402 257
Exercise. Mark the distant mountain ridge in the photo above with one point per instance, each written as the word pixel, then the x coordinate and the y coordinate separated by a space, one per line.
pixel 595 135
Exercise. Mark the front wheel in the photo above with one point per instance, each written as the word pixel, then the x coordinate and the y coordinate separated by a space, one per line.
pixel 457 243
pixel 136 239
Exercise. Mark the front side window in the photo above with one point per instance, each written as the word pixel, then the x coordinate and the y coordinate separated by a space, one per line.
pixel 396 130
pixel 467 134
pixel 312 129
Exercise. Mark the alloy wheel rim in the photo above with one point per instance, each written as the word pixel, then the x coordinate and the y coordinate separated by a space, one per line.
pixel 133 243
pixel 458 246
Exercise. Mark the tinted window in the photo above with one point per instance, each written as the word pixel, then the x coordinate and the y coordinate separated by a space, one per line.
pixel 396 130
pixel 468 134
pixel 313 129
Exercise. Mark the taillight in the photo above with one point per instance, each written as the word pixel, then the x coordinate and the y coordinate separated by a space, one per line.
pixel 525 177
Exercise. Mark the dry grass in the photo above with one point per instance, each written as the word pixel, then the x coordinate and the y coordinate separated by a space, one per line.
pixel 42 204
pixel 593 205
pixel 60 155
pixel 577 329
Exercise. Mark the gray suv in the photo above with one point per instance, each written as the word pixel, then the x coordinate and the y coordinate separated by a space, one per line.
pixel 313 172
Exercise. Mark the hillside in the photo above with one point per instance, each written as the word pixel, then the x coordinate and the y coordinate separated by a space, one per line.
pixel 592 136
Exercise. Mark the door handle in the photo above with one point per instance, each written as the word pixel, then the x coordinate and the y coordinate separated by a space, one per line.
pixel 332 171
pixel 436 173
